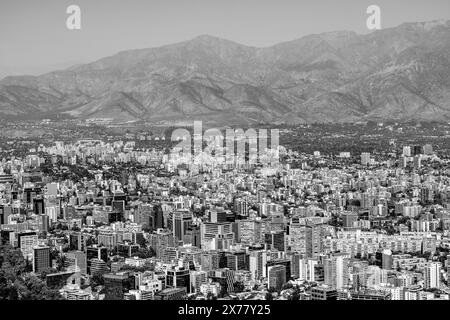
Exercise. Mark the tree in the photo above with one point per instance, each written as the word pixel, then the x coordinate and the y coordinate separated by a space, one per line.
pixel 296 294
pixel 238 286
pixel 145 253
pixel 16 281
pixel 114 293
pixel 142 242
pixel 60 261
pixel 97 279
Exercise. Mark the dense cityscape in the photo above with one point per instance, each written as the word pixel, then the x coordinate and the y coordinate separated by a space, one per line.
pixel 93 211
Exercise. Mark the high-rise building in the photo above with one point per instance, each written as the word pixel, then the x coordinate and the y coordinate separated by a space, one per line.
pixel 365 158
pixel 250 231
pixel 27 241
pixel 41 259
pixel 349 220
pixel 99 253
pixel 258 260
pixel 407 151
pixel 180 223
pixel 336 272
pixel 275 240
pixel 428 149
pixel 178 278
pixel 160 240
pixel 197 279
pixel 386 259
pixel 77 260
pixel 297 238
pixel 323 293
pixel 276 276
pixel 77 241
pixel 432 275
pixel 314 237
pixel 218 216
pixel 417 150
pixel 216 236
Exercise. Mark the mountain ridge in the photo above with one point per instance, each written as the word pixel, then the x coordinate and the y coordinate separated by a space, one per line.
pixel 401 73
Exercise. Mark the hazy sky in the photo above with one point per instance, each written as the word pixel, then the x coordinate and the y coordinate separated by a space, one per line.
pixel 34 38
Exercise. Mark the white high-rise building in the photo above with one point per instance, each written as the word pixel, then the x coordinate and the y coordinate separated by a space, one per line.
pixel 365 158
pixel 407 151
pixel 258 260
pixel 432 276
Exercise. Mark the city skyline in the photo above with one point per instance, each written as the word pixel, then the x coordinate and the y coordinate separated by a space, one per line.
pixel 251 159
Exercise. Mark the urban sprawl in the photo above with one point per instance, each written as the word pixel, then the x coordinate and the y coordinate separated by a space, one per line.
pixel 116 217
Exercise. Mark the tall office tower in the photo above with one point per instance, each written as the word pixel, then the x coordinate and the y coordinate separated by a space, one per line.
pixel 38 206
pixel 52 213
pixel 428 149
pixel 77 241
pixel 426 194
pixel 218 216
pixel 177 278
pixel 295 258
pixel 375 276
pixel 250 231
pixel 349 220
pixel 276 276
pixel 99 253
pixel 107 238
pixel 209 261
pixel 297 238
pixel 225 277
pixel 275 240
pixel 77 261
pixel 386 259
pixel 258 260
pixel 180 223
pixel 197 278
pixel 336 272
pixel 143 215
pixel 160 240
pixel 314 236
pixel 277 222
pixel 367 201
pixel 237 260
pixel 158 217
pixel 280 261
pixel 407 151
pixel 41 259
pixel 97 266
pixel 43 223
pixel 365 158
pixel 307 269
pixel 27 241
pixel 216 236
pixel 359 274
pixel 5 212
pixel 193 236
pixel 241 207
pixel 432 276
pixel 417 150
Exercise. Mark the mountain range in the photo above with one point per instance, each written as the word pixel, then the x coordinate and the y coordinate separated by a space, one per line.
pixel 400 74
